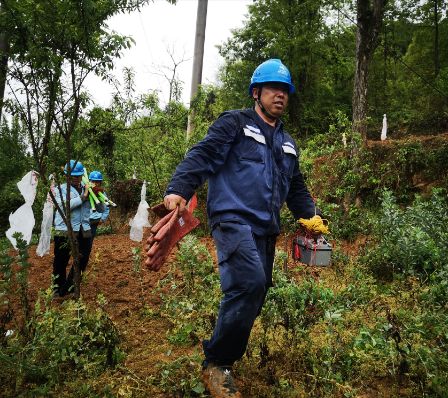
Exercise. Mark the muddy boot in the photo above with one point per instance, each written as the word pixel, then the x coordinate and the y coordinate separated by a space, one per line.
pixel 219 382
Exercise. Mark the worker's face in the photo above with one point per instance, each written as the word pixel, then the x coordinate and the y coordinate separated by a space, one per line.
pixel 274 97
pixel 76 180
pixel 96 183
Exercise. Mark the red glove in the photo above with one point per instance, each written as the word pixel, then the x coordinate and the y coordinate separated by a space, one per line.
pixel 96 189
pixel 169 230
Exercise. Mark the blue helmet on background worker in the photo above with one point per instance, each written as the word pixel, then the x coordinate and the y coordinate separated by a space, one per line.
pixel 95 176
pixel 75 169
pixel 271 71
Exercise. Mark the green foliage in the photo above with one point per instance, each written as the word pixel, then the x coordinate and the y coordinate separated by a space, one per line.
pixel 52 49
pixel 190 306
pixel 425 335
pixel 181 377
pixel 320 59
pixel 438 288
pixel 151 147
pixel 12 146
pixel 51 343
pixel 373 351
pixel 294 307
pixel 14 270
pixel 359 290
pixel 6 289
pixel 411 241
pixel 321 332
pixel 104 229
pixel 95 137
pixel 347 181
pixel 21 276
pixel 317 41
pixel 333 173
pixel 405 81
pixel 68 339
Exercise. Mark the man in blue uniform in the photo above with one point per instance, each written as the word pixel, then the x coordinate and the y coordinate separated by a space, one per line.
pixel 79 219
pixel 252 167
pixel 96 217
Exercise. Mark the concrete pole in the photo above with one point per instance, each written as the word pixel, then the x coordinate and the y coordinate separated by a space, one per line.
pixel 196 79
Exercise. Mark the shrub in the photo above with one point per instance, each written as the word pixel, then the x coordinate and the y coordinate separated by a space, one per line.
pixel 68 339
pixel 294 306
pixel 410 241
pixel 181 377
pixel 191 305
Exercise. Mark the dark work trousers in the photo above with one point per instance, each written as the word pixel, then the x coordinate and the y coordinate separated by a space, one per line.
pixel 93 227
pixel 245 268
pixel 62 254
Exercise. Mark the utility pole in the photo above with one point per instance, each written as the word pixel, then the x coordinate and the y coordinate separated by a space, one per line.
pixel 201 20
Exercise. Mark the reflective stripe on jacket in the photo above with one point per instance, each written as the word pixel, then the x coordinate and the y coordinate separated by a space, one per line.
pixel 252 170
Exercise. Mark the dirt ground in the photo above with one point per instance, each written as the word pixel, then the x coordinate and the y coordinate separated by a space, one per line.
pixel 111 272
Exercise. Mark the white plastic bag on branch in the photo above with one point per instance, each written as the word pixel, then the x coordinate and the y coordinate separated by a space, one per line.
pixel 140 220
pixel 47 221
pixel 22 220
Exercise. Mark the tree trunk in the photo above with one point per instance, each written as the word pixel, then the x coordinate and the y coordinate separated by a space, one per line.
pixel 196 79
pixel 436 38
pixel 360 93
pixel 4 54
pixel 369 21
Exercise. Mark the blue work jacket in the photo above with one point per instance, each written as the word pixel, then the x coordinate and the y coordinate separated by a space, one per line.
pixel 79 210
pixel 252 169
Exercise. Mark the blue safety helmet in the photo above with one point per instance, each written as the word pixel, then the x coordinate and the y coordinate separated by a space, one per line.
pixel 271 70
pixel 95 176
pixel 77 170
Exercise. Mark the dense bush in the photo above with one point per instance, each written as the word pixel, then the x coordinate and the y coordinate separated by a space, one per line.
pixel 64 341
pixel 294 307
pixel 411 241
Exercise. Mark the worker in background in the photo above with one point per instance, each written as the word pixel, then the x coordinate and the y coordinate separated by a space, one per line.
pixel 96 217
pixel 78 200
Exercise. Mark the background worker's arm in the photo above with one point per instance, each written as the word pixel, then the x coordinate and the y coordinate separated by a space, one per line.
pixel 105 213
pixel 75 201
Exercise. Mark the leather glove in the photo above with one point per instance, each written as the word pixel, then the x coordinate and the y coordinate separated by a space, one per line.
pixel 169 230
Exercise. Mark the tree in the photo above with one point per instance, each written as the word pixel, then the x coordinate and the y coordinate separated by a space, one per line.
pixel 4 53
pixel 61 43
pixel 402 75
pixel 296 32
pixel 12 146
pixel 170 74
pixel 369 21
pixel 100 131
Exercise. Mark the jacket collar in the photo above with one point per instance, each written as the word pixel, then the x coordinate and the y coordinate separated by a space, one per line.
pixel 253 113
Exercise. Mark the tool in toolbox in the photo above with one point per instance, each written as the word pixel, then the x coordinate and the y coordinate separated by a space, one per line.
pixel 309 245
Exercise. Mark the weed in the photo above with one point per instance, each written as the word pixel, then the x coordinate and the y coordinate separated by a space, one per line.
pixel 65 341
pixel 181 377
